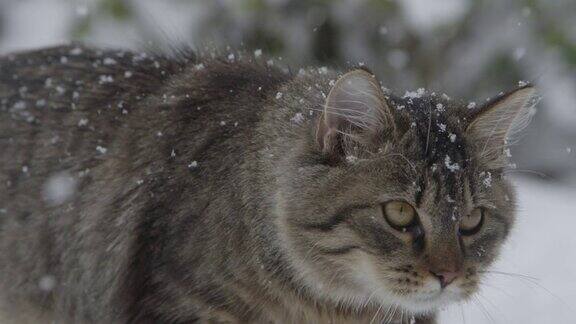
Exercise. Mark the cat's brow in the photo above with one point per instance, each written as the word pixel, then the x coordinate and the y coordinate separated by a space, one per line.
pixel 331 223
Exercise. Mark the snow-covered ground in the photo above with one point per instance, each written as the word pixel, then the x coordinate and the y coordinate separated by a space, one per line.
pixel 541 259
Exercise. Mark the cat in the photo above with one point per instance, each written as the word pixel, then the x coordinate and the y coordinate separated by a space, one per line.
pixel 144 188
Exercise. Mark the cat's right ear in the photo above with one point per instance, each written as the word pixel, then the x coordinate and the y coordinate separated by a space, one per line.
pixel 355 104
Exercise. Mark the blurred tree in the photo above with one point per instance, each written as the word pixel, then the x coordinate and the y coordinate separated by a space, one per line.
pixel 467 48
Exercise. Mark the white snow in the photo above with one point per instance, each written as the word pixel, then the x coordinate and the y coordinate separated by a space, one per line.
pixel 519 53
pixel 414 94
pixel 449 165
pixel 398 59
pixel 486 178
pixel 82 122
pixel 109 61
pixel 47 283
pixel 298 118
pixel 106 79
pixel 58 188
pixel 351 159
pixel 76 51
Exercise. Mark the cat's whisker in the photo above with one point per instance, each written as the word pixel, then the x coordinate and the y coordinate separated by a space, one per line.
pixel 538 173
pixel 489 302
pixel 535 282
pixel 512 274
pixel 391 318
pixel 376 314
pixel 483 309
pixel 497 288
pixel 405 159
pixel 462 313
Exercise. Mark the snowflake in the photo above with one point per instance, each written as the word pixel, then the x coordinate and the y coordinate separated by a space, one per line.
pixel 109 61
pixel 414 94
pixel 449 165
pixel 298 118
pixel 487 179
pixel 351 159
pixel 76 51
pixel 82 122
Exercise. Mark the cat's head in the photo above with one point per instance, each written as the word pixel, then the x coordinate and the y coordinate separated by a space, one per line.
pixel 399 200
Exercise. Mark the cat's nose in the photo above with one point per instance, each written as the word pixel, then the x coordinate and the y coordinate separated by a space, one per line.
pixel 445 277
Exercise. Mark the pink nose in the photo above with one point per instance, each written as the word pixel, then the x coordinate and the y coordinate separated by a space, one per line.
pixel 445 277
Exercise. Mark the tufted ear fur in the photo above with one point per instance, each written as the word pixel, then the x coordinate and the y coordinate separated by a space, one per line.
pixel 355 104
pixel 497 121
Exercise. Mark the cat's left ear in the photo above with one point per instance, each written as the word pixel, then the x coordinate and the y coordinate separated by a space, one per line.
pixel 356 104
pixel 494 123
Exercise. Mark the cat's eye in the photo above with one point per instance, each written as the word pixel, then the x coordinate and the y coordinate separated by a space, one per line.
pixel 471 223
pixel 399 214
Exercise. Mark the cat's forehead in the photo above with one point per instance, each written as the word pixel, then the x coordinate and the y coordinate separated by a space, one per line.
pixel 435 137
pixel 435 128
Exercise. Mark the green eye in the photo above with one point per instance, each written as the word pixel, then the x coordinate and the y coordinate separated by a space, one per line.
pixel 471 223
pixel 399 214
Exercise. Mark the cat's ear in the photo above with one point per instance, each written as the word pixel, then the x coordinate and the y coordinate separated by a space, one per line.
pixel 355 104
pixel 494 123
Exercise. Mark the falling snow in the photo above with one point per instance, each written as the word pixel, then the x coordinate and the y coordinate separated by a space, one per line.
pixel 449 165
pixel 59 188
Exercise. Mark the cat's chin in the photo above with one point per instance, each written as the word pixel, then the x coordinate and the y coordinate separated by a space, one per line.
pixel 425 302
pixel 428 303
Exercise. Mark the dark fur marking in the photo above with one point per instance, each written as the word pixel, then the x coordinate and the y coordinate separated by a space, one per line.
pixel 339 217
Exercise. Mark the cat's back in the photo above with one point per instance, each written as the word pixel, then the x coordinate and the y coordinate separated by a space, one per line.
pixel 59 106
pixel 93 142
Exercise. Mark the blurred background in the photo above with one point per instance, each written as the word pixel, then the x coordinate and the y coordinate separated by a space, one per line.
pixel 464 48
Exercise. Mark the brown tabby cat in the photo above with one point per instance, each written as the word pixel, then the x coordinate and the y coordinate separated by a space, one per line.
pixel 144 189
